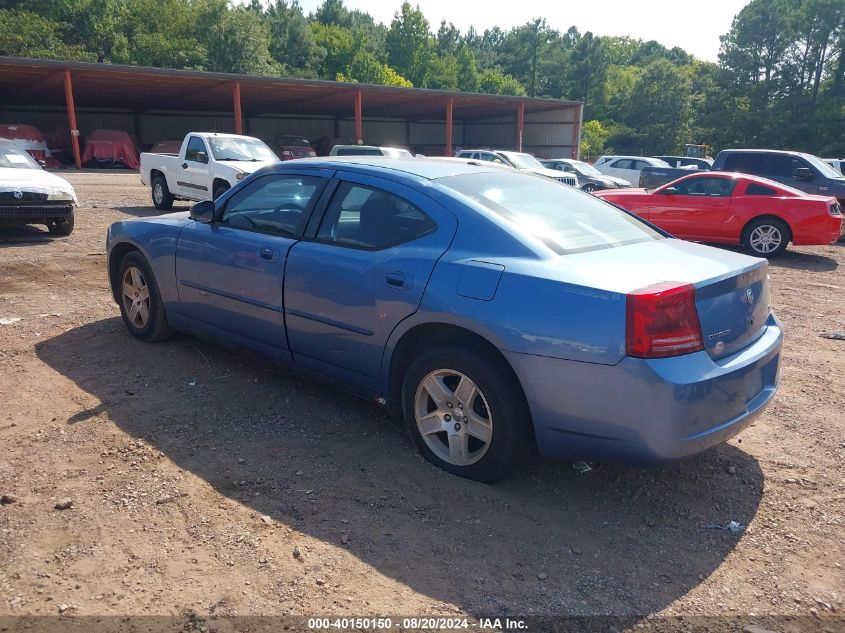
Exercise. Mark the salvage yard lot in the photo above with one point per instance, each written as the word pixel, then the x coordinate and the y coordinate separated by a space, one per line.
pixel 209 481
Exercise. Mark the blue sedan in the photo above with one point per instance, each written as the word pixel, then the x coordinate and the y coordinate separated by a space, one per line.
pixel 494 310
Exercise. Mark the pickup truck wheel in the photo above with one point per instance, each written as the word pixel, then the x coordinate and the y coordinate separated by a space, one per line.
pixel 766 237
pixel 140 301
pixel 219 190
pixel 63 226
pixel 162 198
pixel 464 413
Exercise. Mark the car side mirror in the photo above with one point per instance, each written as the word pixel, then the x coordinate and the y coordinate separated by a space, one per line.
pixel 203 212
pixel 202 157
pixel 802 173
pixel 670 191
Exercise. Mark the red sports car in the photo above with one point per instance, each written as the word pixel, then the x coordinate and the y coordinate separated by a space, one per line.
pixel 727 208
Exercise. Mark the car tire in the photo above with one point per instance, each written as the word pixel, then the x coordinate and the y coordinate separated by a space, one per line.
pixel 766 237
pixel 140 300
pixel 219 190
pixel 478 427
pixel 162 198
pixel 589 187
pixel 63 226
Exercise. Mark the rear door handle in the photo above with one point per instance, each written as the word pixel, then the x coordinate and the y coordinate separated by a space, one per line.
pixel 398 280
pixel 270 254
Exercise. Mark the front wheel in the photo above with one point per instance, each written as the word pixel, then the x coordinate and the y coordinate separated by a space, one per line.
pixel 766 237
pixel 140 301
pixel 219 190
pixel 63 226
pixel 589 187
pixel 465 413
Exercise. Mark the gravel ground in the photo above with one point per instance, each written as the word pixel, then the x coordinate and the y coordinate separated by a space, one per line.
pixel 196 480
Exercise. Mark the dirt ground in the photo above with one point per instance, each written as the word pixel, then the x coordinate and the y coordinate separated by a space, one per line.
pixel 208 481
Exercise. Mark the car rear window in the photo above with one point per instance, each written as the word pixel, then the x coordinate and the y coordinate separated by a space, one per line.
pixel 566 220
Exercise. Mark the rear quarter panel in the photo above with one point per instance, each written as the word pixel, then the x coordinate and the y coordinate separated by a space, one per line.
pixel 164 163
pixel 806 217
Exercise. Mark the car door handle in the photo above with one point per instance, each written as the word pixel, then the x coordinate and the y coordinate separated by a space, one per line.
pixel 270 254
pixel 184 165
pixel 398 280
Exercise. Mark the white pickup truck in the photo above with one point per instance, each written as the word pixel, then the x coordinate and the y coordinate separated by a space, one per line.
pixel 207 165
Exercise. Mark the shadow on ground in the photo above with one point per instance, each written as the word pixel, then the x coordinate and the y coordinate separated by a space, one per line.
pixel 799 260
pixel 25 236
pixel 615 540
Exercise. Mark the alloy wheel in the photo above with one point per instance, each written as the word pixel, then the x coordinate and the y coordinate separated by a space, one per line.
pixel 136 297
pixel 453 417
pixel 765 238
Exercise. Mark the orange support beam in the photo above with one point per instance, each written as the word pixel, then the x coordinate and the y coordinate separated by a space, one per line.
pixel 236 98
pixel 449 105
pixel 359 127
pixel 520 124
pixel 71 117
pixel 576 130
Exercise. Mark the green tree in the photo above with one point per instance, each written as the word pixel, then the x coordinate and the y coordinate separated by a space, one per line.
pixel 366 68
pixel 467 70
pixel 25 34
pixel 292 42
pixel 497 83
pixel 240 43
pixel 409 44
pixel 594 137
pixel 660 107
pixel 522 51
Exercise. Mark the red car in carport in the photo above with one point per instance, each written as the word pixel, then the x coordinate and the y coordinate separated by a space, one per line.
pixel 760 214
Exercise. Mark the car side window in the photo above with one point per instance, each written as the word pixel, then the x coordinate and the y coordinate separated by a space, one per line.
pixel 495 159
pixel 623 163
pixel 781 166
pixel 759 190
pixel 711 187
pixel 364 217
pixel 195 146
pixel 273 204
pixel 744 163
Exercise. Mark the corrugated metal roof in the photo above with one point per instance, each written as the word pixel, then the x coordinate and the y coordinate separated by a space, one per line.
pixel 144 89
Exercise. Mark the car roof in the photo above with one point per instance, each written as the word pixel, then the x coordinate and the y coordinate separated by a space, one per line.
pixel 425 168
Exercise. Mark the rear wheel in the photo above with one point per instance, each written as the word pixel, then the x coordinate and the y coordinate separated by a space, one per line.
pixel 162 198
pixel 766 237
pixel 465 414
pixel 140 301
pixel 64 226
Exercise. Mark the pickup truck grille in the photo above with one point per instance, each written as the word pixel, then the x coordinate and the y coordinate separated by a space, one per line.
pixel 567 180
pixel 22 196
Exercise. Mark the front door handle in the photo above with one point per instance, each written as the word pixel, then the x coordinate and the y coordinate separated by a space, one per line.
pixel 398 280
pixel 184 165
pixel 270 254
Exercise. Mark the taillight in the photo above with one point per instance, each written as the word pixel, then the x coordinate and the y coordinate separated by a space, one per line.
pixel 835 209
pixel 662 320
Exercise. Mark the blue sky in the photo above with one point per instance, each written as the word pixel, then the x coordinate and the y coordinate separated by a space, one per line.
pixel 691 24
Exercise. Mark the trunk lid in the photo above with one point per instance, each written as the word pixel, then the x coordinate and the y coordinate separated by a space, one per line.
pixel 731 289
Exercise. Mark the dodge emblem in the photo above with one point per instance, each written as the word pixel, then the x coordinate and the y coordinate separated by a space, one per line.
pixel 18 194
pixel 749 296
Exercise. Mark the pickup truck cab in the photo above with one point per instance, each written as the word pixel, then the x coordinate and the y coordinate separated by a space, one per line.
pixel 207 166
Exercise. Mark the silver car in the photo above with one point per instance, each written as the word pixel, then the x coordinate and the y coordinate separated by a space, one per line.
pixel 519 160
pixel 591 179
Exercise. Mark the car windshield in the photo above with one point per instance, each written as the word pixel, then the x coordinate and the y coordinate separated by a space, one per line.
pixel 523 161
pixel 13 156
pixel 824 169
pixel 246 149
pixel 585 169
pixel 564 219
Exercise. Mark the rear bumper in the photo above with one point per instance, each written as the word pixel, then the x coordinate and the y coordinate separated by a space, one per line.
pixel 648 410
pixel 826 231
